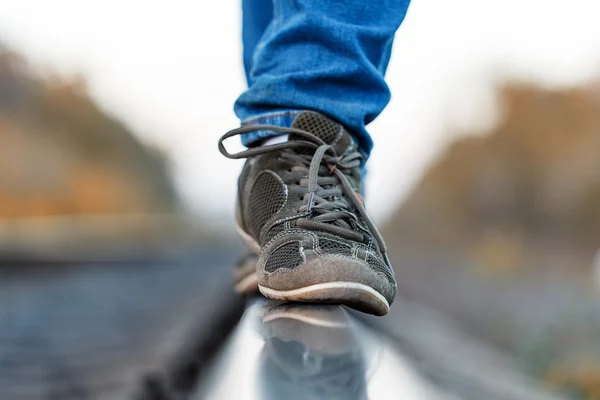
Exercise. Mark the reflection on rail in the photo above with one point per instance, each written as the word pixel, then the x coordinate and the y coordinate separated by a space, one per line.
pixel 291 351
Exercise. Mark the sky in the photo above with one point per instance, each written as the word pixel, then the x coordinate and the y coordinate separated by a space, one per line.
pixel 171 70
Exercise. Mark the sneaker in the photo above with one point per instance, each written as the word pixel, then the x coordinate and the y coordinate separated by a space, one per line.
pixel 299 204
pixel 244 273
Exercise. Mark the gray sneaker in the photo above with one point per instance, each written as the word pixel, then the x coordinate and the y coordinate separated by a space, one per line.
pixel 244 273
pixel 299 206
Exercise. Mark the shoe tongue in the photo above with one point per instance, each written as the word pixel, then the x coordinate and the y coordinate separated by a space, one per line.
pixel 330 132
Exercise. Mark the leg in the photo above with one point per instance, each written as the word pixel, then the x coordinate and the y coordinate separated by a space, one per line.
pixel 256 17
pixel 299 206
pixel 328 56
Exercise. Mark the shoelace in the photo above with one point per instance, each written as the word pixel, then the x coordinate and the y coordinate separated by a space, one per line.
pixel 320 213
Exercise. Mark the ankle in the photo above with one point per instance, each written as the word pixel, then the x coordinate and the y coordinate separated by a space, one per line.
pixel 283 118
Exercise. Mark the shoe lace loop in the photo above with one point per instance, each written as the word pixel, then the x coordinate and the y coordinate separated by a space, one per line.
pixel 326 208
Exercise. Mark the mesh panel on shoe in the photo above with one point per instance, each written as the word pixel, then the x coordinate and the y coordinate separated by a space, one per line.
pixel 318 125
pixel 274 231
pixel 333 247
pixel 266 199
pixel 325 129
pixel 379 266
pixel 287 256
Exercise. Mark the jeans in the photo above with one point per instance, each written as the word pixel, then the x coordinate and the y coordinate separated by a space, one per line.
pixel 328 56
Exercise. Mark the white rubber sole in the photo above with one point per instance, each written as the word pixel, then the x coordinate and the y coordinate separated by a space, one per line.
pixel 247 285
pixel 353 294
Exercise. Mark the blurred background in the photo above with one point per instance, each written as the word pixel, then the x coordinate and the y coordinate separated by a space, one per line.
pixel 485 174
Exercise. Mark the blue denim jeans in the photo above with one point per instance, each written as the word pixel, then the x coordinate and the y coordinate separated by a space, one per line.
pixel 328 56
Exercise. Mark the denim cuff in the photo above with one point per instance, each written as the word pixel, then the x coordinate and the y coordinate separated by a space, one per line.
pixel 280 118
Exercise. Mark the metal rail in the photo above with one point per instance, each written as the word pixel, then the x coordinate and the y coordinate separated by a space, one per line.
pixel 290 351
